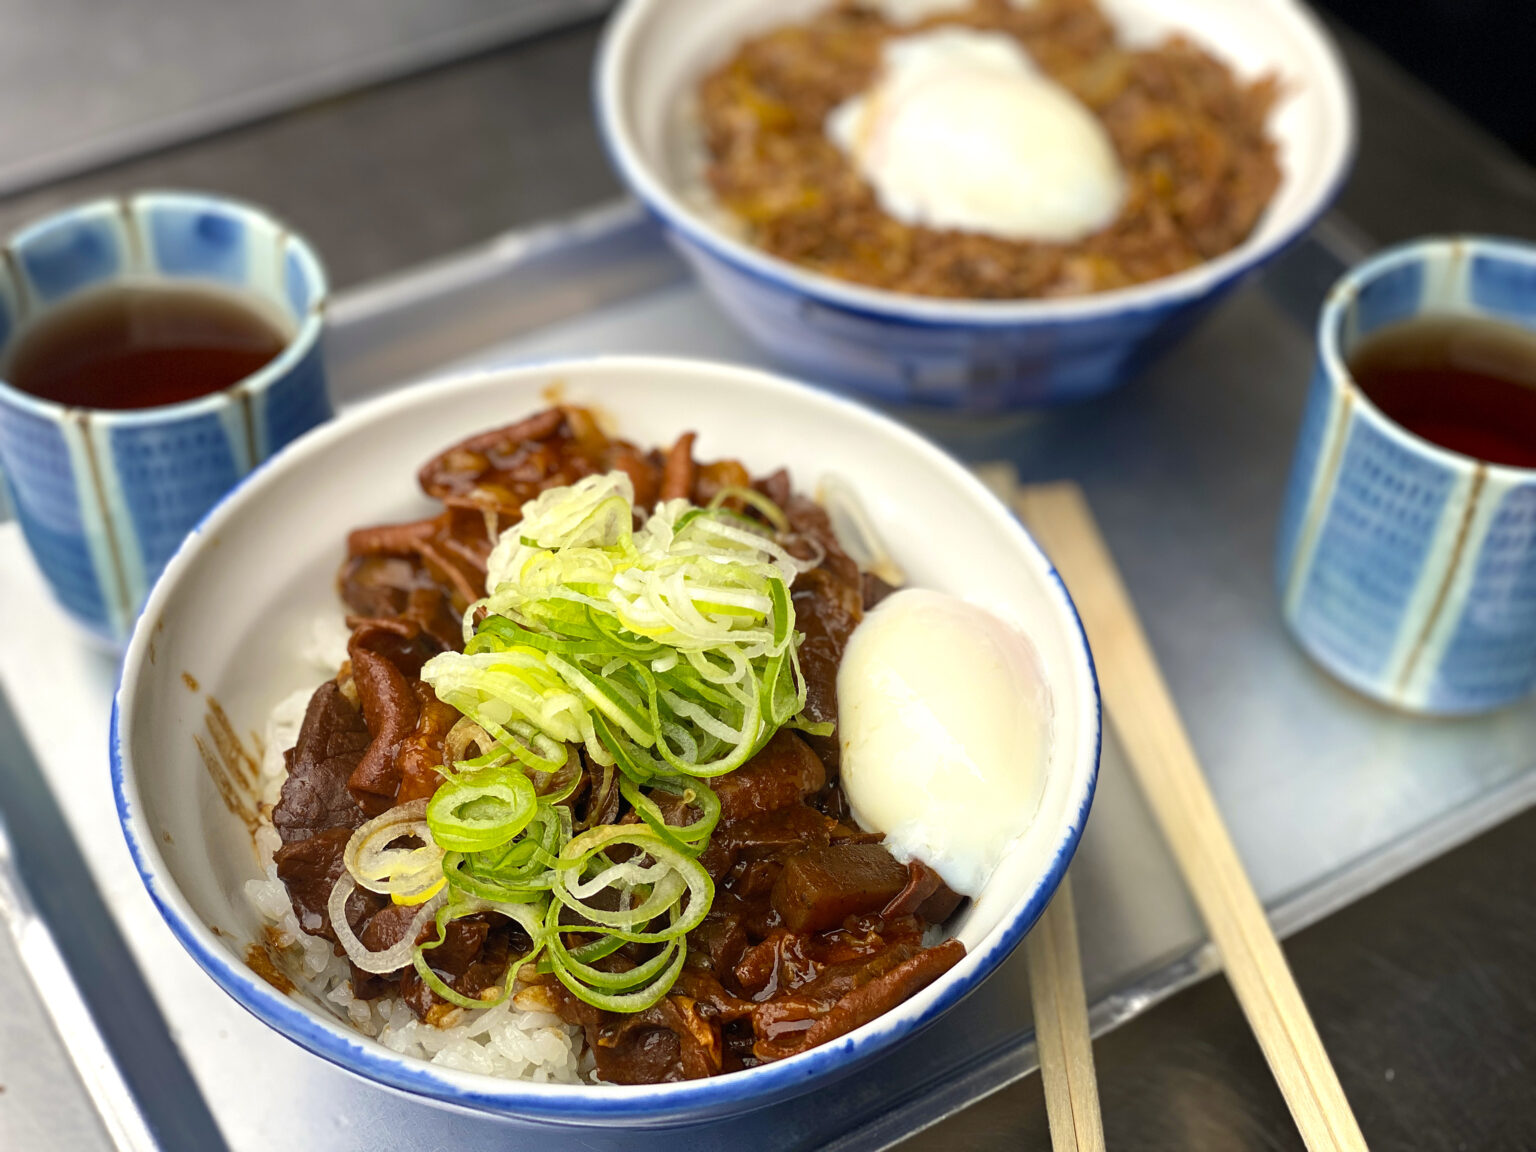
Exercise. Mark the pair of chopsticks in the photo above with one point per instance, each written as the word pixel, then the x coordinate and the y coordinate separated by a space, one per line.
pixel 1142 711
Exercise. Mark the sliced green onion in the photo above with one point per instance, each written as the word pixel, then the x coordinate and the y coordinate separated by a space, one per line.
pixel 811 727
pixel 688 838
pixel 399 872
pixel 754 499
pixel 530 922
pixel 631 990
pixel 518 872
pixel 554 787
pixel 592 950
pixel 666 654
pixel 659 886
pixel 476 811
pixel 391 959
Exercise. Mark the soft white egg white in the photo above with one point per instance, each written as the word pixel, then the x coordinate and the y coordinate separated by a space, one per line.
pixel 962 131
pixel 943 721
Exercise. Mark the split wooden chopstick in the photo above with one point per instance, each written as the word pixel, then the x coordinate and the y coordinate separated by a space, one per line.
pixel 1062 1038
pixel 1141 709
pixel 1061 1027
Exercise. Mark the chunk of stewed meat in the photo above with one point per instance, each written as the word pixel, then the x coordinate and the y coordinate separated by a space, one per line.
pixel 809 522
pixel 781 774
pixel 331 742
pixel 399 639
pixel 390 710
pixel 478 463
pixel 797 1022
pixel 669 1041
pixel 719 942
pixel 820 888
pixel 397 591
pixel 420 757
pixel 926 895
pixel 472 960
pixel 827 610
pixel 378 585
pixel 775 834
pixel 387 927
pixel 310 868
pixel 677 477
pixel 766 836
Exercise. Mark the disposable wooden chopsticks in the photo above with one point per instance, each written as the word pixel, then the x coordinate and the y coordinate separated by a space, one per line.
pixel 1158 749
pixel 1061 1028
pixel 1062 1039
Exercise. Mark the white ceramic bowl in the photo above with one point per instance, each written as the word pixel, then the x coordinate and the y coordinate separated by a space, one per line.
pixel 974 355
pixel 235 606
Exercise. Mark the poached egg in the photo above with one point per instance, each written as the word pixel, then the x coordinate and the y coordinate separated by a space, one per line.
pixel 963 131
pixel 943 721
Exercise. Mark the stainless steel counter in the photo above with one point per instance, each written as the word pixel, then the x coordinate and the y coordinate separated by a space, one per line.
pixel 86 83
pixel 1393 991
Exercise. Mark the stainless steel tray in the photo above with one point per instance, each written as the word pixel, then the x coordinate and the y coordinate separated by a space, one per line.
pixel 1327 795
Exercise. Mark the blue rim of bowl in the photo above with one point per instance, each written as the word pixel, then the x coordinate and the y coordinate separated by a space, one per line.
pixel 566 1104
pixel 912 311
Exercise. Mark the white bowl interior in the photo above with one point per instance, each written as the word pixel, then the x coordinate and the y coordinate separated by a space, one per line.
pixel 659 49
pixel 237 607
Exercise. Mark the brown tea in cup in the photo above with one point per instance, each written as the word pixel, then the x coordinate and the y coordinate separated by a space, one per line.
pixel 1463 382
pixel 143 345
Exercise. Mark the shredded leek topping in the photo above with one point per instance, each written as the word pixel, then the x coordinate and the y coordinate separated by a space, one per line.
pixel 666 654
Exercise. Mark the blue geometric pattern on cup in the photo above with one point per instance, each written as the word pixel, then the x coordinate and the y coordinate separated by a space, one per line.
pixel 295 402
pixel 42 489
pixel 1395 296
pixel 1372 548
pixel 1503 287
pixel 1314 426
pixel 298 283
pixel 1407 570
pixel 104 505
pixel 171 473
pixel 190 240
pixel 61 256
pixel 1491 656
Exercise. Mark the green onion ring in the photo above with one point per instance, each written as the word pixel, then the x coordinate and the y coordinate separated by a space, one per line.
pixel 692 838
pixel 677 874
pixel 476 811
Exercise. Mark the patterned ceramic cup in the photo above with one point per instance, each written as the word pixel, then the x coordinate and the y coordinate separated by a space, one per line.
pixel 1406 569
pixel 105 497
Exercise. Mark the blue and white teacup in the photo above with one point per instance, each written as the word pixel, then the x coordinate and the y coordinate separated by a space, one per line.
pixel 1406 569
pixel 105 497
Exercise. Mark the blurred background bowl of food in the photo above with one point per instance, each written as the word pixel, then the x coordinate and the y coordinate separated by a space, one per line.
pixel 979 341
pixel 229 632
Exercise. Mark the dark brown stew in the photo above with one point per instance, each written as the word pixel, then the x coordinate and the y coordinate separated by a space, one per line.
pixel 815 928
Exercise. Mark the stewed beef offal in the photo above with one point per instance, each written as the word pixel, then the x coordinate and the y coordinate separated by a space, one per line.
pixel 815 928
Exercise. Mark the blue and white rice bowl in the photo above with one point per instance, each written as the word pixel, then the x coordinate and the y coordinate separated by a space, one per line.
pixel 236 608
pixel 968 355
